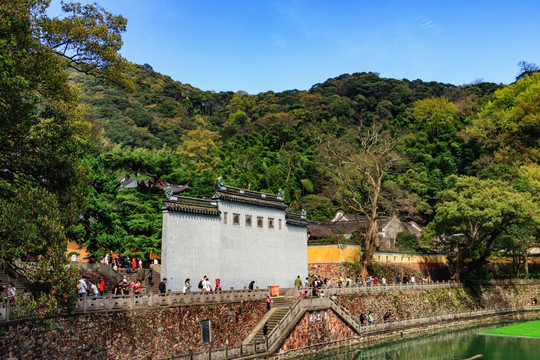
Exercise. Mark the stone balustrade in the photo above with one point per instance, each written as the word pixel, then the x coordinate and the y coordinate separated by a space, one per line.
pixel 364 289
pixel 141 302
pixel 405 323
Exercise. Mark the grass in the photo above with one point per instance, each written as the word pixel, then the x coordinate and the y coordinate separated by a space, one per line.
pixel 527 329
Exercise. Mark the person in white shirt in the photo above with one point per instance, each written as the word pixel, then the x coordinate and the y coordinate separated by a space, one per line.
pixel 83 286
pixel 93 289
pixel 206 285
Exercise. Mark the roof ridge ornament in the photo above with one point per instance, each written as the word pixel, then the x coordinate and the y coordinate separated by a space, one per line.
pixel 219 184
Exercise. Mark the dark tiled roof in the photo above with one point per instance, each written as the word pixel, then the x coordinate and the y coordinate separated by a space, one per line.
pixel 296 219
pixel 191 205
pixel 250 197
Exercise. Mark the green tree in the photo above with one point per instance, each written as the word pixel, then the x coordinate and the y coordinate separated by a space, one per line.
pixel 508 126
pixel 42 127
pixel 199 147
pixel 473 216
pixel 435 115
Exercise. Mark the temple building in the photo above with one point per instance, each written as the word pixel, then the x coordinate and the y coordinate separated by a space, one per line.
pixel 237 236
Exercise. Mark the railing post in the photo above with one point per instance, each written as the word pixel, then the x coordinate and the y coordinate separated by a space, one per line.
pixel 109 300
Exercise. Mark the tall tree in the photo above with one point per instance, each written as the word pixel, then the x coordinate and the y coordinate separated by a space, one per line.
pixel 42 126
pixel 199 147
pixel 358 163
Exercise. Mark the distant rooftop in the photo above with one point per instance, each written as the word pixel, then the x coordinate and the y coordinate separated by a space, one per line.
pixel 191 205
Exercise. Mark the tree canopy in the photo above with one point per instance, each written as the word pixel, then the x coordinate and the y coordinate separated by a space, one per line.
pixel 43 130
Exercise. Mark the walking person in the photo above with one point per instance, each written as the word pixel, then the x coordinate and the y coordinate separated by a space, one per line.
pixel 298 282
pixel 163 286
pixel 187 286
pixel 137 287
pixel 268 303
pixel 82 286
pixel 10 292
pixel 93 289
pixel 251 285
pixel 150 278
pixel 101 286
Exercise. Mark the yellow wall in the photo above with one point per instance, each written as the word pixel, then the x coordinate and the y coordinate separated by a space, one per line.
pixel 351 253
pixel 73 247
pixel 333 253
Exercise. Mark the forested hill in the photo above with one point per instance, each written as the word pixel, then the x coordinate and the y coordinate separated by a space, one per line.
pixel 271 141
pixel 162 110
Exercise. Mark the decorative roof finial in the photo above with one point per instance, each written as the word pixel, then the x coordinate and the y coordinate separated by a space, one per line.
pixel 220 183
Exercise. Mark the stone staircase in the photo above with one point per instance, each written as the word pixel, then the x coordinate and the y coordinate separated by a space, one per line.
pixel 6 279
pixel 280 307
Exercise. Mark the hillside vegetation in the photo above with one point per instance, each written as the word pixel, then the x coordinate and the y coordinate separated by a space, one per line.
pixel 76 118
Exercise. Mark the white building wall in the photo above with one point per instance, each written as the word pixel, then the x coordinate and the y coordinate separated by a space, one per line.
pixel 194 245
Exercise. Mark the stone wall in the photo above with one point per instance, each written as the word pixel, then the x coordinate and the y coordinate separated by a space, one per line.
pixel 334 270
pixel 156 333
pixel 163 332
pixel 315 329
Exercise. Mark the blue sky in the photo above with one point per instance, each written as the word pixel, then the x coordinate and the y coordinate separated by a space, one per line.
pixel 279 45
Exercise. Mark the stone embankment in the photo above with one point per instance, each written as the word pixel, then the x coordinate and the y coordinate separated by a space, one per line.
pixel 170 331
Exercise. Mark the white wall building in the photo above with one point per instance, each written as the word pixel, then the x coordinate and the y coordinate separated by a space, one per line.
pixel 237 236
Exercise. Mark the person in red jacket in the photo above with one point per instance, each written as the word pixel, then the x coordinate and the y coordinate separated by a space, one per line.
pixel 101 286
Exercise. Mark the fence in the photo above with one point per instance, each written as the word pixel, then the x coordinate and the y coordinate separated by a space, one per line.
pixel 401 324
pixel 364 289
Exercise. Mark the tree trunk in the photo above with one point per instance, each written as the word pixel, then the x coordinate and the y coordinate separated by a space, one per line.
pixel 526 263
pixel 371 244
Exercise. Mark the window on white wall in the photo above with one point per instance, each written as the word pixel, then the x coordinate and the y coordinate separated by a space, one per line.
pixel 259 221
pixel 279 224
pixel 248 220
pixel 270 223
pixel 224 217
pixel 236 219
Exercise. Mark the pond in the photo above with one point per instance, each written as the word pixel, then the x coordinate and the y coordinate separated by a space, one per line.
pixel 458 344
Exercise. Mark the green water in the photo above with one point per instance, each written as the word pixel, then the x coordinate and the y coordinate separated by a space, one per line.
pixel 459 344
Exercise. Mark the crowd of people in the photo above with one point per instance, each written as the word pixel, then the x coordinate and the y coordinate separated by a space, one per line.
pixel 85 286
pixel 123 262
pixel 316 282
